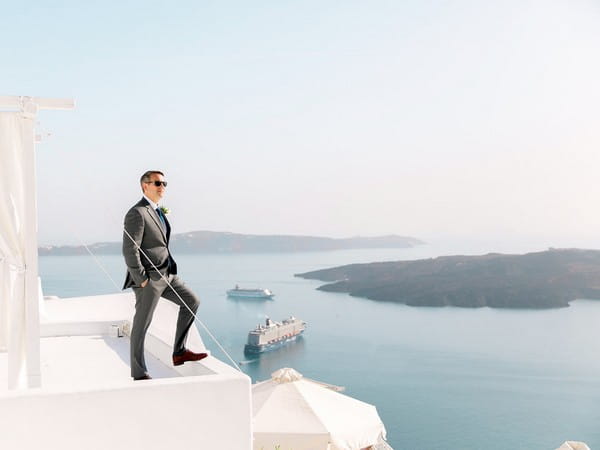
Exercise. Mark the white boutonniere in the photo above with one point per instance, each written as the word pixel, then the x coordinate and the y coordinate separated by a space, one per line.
pixel 166 211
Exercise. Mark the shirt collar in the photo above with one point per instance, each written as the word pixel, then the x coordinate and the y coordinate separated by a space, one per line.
pixel 154 205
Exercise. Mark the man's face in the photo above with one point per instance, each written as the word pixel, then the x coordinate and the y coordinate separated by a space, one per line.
pixel 153 192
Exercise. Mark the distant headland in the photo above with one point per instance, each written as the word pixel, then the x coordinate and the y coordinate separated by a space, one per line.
pixel 547 279
pixel 225 242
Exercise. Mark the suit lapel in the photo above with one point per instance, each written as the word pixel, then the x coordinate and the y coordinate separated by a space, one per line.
pixel 156 219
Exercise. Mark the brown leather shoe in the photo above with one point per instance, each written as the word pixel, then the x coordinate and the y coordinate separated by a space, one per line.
pixel 143 377
pixel 186 356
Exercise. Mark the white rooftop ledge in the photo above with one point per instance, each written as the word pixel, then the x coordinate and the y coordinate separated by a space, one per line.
pixel 88 399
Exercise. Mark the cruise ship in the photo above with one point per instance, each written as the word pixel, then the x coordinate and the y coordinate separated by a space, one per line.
pixel 238 292
pixel 273 334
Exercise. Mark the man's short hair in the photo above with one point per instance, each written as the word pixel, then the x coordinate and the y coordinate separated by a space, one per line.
pixel 147 175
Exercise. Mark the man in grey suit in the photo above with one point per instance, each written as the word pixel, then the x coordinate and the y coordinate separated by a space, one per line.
pixel 149 267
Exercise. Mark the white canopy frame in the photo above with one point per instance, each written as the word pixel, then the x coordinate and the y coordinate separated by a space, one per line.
pixel 19 289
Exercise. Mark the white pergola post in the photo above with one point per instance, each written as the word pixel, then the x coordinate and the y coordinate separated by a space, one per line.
pixel 30 361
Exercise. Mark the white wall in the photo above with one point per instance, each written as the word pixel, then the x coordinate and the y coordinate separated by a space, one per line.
pixel 209 411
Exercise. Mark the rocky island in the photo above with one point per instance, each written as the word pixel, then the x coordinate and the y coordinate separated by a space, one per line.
pixel 547 279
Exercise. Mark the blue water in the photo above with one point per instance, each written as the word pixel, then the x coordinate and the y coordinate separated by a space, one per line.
pixel 441 378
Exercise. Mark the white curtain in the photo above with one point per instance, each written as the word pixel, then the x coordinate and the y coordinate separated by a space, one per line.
pixel 14 134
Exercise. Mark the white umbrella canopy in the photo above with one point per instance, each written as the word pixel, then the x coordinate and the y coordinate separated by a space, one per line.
pixel 573 445
pixel 293 412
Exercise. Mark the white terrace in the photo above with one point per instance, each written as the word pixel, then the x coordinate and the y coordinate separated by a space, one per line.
pixel 88 399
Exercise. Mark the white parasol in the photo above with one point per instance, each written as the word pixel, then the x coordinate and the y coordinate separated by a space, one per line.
pixel 293 412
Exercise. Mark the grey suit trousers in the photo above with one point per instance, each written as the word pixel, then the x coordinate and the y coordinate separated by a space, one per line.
pixel 146 299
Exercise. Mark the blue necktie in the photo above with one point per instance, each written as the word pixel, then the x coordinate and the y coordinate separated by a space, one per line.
pixel 162 219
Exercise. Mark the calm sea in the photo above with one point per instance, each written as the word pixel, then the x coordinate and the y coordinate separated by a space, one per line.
pixel 441 378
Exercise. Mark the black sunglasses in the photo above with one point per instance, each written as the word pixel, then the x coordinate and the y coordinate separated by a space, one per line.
pixel 157 183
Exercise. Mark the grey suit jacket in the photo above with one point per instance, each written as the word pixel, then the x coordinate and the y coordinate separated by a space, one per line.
pixel 144 226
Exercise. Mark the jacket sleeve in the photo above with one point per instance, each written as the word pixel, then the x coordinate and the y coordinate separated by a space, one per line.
pixel 132 240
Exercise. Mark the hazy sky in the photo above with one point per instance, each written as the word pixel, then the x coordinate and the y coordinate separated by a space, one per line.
pixel 422 118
